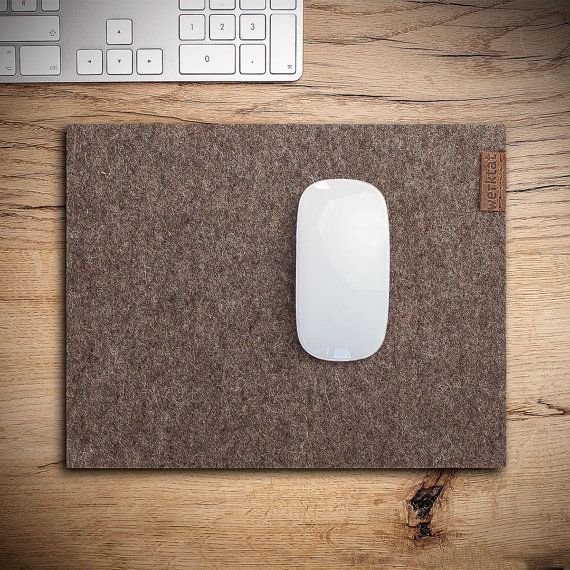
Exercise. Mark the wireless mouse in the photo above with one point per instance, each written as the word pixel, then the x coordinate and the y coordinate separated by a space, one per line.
pixel 343 270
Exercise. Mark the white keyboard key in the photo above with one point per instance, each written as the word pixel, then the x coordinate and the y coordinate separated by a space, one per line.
pixel 29 28
pixel 119 62
pixel 222 4
pixel 223 27
pixel 192 27
pixel 40 60
pixel 209 59
pixel 252 59
pixel 283 4
pixel 252 4
pixel 283 41
pixel 7 60
pixel 149 62
pixel 3 5
pixel 192 4
pixel 50 5
pixel 89 62
pixel 252 27
pixel 119 32
pixel 24 5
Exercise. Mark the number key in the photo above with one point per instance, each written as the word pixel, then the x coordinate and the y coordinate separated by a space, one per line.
pixel 222 4
pixel 24 5
pixel 192 27
pixel 215 59
pixel 192 4
pixel 252 4
pixel 223 27
pixel 252 27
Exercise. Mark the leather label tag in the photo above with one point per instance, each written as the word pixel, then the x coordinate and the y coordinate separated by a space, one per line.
pixel 493 181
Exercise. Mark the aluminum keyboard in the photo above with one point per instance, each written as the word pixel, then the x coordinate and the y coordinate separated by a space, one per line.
pixel 86 41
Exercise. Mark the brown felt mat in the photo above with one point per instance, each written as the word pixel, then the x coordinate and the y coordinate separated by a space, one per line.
pixel 181 341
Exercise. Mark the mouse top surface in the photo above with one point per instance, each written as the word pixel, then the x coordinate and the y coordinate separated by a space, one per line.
pixel 343 270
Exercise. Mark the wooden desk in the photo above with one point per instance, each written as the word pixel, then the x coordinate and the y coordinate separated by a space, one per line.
pixel 366 61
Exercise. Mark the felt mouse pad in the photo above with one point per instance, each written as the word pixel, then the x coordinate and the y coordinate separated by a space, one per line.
pixel 182 349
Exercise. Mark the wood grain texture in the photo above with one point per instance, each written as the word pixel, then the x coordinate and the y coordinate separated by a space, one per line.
pixel 365 61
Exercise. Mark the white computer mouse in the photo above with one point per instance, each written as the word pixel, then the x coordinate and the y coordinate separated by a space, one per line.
pixel 343 270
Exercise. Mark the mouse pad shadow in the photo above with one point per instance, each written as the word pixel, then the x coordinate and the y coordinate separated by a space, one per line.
pixel 180 285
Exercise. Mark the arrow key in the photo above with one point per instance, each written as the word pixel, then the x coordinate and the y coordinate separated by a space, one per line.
pixel 149 62
pixel 89 62
pixel 119 62
pixel 120 32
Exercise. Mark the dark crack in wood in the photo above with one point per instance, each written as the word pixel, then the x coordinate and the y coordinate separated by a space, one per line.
pixel 422 503
pixel 420 506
